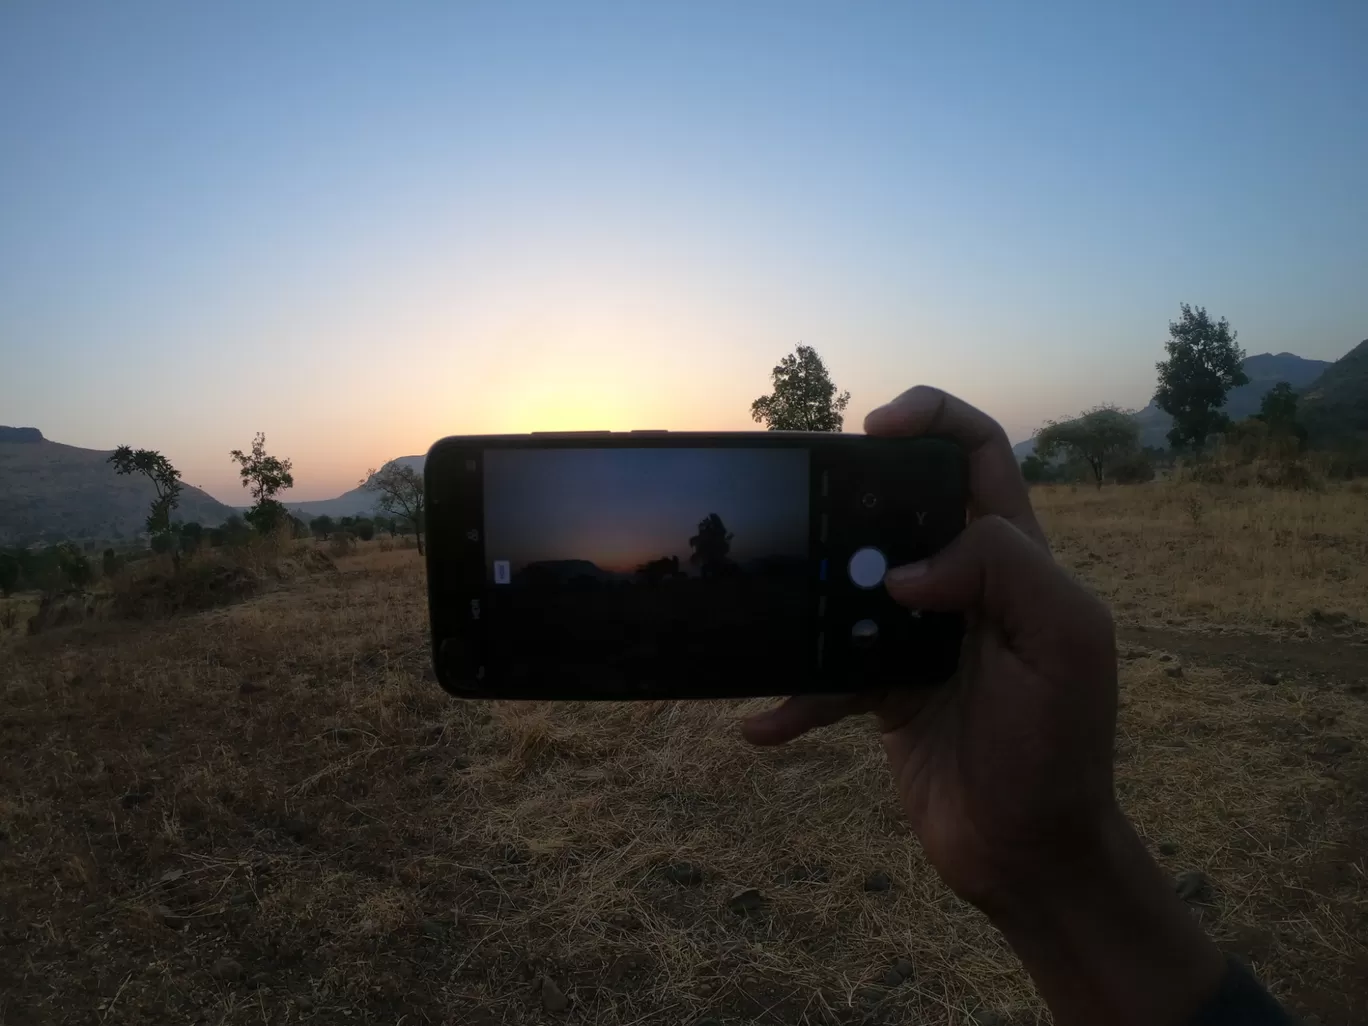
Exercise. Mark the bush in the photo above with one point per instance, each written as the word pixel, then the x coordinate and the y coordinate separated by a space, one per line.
pixel 1136 468
pixel 365 530
pixel 342 543
pixel 109 563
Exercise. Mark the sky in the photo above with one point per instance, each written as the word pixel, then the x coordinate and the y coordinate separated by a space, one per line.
pixel 358 227
pixel 619 508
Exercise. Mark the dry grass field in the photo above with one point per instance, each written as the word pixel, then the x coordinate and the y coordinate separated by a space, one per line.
pixel 268 812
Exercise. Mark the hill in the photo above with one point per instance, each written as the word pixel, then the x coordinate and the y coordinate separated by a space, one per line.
pixel 1335 406
pixel 1265 370
pixel 50 491
pixel 351 503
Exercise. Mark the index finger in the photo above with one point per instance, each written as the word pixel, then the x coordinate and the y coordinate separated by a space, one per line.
pixel 995 482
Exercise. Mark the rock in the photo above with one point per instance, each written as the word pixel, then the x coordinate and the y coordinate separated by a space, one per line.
pixel 878 881
pixel 1168 847
pixel 1174 671
pixel 553 998
pixel 168 918
pixel 685 874
pixel 748 899
pixel 242 898
pixel 227 970
pixel 1192 885
pixel 1270 678
pixel 260 980
pixel 1338 746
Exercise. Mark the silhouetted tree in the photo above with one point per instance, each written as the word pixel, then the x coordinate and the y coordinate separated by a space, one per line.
pixel 1096 437
pixel 165 480
pixel 804 398
pixel 264 476
pixel 322 526
pixel 191 535
pixel 1204 364
pixel 364 529
pixel 399 493
pixel 658 570
pixel 1035 470
pixel 711 544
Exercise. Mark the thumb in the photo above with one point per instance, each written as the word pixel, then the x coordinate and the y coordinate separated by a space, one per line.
pixel 997 571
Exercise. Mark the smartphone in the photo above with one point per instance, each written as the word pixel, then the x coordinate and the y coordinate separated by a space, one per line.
pixel 652 564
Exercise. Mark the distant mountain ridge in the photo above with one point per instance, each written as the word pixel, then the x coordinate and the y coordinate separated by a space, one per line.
pixel 51 491
pixel 1264 369
pixel 1335 406
pixel 356 502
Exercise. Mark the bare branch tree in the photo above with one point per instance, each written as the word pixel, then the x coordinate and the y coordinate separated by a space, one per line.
pixel 399 494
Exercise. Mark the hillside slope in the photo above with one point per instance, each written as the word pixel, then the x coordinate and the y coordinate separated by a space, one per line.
pixel 50 491
pixel 351 503
pixel 1335 407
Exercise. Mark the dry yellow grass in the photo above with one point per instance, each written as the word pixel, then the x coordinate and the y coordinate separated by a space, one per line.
pixel 269 812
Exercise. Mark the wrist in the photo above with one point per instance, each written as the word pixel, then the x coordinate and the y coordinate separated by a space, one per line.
pixel 1102 933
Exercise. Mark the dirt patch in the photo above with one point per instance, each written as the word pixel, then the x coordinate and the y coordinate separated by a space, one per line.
pixel 1345 661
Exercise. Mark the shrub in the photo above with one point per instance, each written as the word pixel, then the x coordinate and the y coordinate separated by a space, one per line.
pixel 342 543
pixel 1135 468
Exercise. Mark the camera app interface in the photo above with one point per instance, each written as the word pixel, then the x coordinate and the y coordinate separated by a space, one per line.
pixel 648 566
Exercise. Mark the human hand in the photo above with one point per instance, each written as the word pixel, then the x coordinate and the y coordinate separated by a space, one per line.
pixel 1007 770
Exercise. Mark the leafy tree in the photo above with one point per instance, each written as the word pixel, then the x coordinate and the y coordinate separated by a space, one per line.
pixel 74 566
pixel 364 529
pixel 321 527
pixel 1035 470
pixel 9 574
pixel 1096 437
pixel 1204 364
pixel 711 544
pixel 164 477
pixel 263 476
pixel 234 531
pixel 1279 405
pixel 191 536
pixel 399 494
pixel 804 397
pixel 387 524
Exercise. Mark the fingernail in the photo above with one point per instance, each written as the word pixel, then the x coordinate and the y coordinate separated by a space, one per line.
pixel 906 573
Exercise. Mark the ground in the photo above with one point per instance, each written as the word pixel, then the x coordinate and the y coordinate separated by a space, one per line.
pixel 269 812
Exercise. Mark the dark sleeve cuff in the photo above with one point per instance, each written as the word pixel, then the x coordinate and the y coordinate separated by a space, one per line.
pixel 1241 1001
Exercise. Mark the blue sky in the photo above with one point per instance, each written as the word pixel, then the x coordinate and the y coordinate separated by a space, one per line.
pixel 360 226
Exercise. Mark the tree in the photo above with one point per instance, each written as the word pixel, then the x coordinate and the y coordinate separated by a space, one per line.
pixel 711 544
pixel 1096 437
pixel 1035 470
pixel 191 535
pixel 399 493
pixel 322 526
pixel 1279 405
pixel 263 476
pixel 1203 365
pixel 73 565
pixel 364 529
pixel 804 397
pixel 164 477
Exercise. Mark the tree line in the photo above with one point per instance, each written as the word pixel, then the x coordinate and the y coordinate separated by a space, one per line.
pixel 1203 363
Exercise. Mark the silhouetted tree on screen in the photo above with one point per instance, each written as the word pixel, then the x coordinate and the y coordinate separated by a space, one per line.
pixel 710 545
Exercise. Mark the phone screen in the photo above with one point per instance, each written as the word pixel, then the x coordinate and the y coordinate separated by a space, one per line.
pixel 652 566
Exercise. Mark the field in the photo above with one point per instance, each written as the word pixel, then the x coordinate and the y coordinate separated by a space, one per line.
pixel 269 812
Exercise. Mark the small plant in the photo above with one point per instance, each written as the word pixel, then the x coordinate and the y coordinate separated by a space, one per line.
pixel 1195 510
